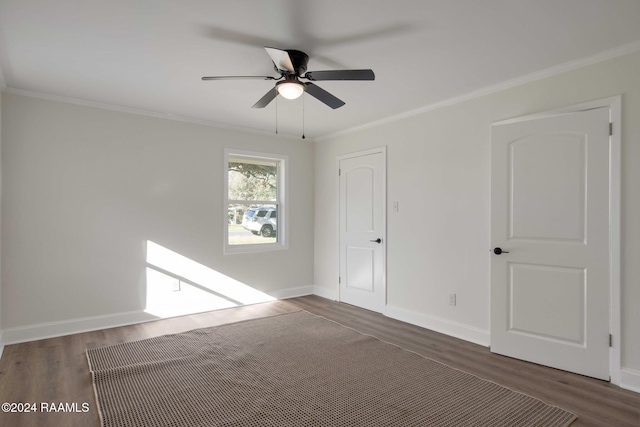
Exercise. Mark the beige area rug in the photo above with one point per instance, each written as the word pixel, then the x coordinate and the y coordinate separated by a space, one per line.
pixel 296 369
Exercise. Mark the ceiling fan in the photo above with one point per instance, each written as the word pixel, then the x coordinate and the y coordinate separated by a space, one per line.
pixel 292 66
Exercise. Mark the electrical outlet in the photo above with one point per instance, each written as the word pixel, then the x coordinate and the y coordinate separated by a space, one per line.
pixel 452 298
pixel 175 285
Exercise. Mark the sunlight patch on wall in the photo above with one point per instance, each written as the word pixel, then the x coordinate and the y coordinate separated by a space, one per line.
pixel 177 285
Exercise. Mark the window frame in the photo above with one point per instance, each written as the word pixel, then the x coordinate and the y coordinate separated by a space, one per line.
pixel 281 201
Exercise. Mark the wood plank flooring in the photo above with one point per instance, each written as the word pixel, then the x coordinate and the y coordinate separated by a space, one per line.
pixel 55 370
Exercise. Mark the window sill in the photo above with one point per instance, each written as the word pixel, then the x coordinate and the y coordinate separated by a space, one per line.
pixel 246 249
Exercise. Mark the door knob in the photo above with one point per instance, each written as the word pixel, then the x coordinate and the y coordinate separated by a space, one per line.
pixel 378 240
pixel 499 251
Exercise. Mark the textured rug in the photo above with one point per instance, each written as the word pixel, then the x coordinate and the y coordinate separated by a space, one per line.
pixel 296 369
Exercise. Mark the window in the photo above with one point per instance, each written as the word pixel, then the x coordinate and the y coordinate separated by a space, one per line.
pixel 255 201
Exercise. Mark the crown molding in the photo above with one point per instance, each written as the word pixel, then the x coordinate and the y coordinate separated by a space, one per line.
pixel 518 81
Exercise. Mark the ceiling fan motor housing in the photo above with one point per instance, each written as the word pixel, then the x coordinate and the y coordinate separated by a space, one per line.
pixel 299 60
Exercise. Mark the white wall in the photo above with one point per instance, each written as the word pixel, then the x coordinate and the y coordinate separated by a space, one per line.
pixel 439 172
pixel 86 188
pixel 1 88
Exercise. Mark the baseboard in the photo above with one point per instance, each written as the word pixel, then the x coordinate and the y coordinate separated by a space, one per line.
pixel 87 324
pixel 291 292
pixel 444 326
pixel 330 294
pixel 74 326
pixel 630 379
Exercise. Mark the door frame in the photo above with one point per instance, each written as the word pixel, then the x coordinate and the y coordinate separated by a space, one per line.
pixel 614 104
pixel 339 158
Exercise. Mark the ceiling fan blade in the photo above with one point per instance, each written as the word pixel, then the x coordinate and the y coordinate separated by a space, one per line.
pixel 323 96
pixel 266 99
pixel 340 75
pixel 281 59
pixel 241 78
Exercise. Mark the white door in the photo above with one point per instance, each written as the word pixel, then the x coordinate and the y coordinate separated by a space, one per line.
pixel 550 217
pixel 362 230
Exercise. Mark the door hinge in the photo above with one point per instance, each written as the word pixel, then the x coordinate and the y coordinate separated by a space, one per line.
pixel 339 280
pixel 339 172
pixel 610 340
pixel 610 128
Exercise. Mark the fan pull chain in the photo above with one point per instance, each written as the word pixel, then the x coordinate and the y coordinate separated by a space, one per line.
pixel 303 115
pixel 276 115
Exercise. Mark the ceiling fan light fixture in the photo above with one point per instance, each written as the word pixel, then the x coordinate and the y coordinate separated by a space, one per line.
pixel 290 89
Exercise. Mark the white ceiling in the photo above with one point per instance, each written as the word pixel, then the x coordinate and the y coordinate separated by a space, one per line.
pixel 149 55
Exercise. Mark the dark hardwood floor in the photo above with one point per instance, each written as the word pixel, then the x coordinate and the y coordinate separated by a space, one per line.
pixel 55 370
